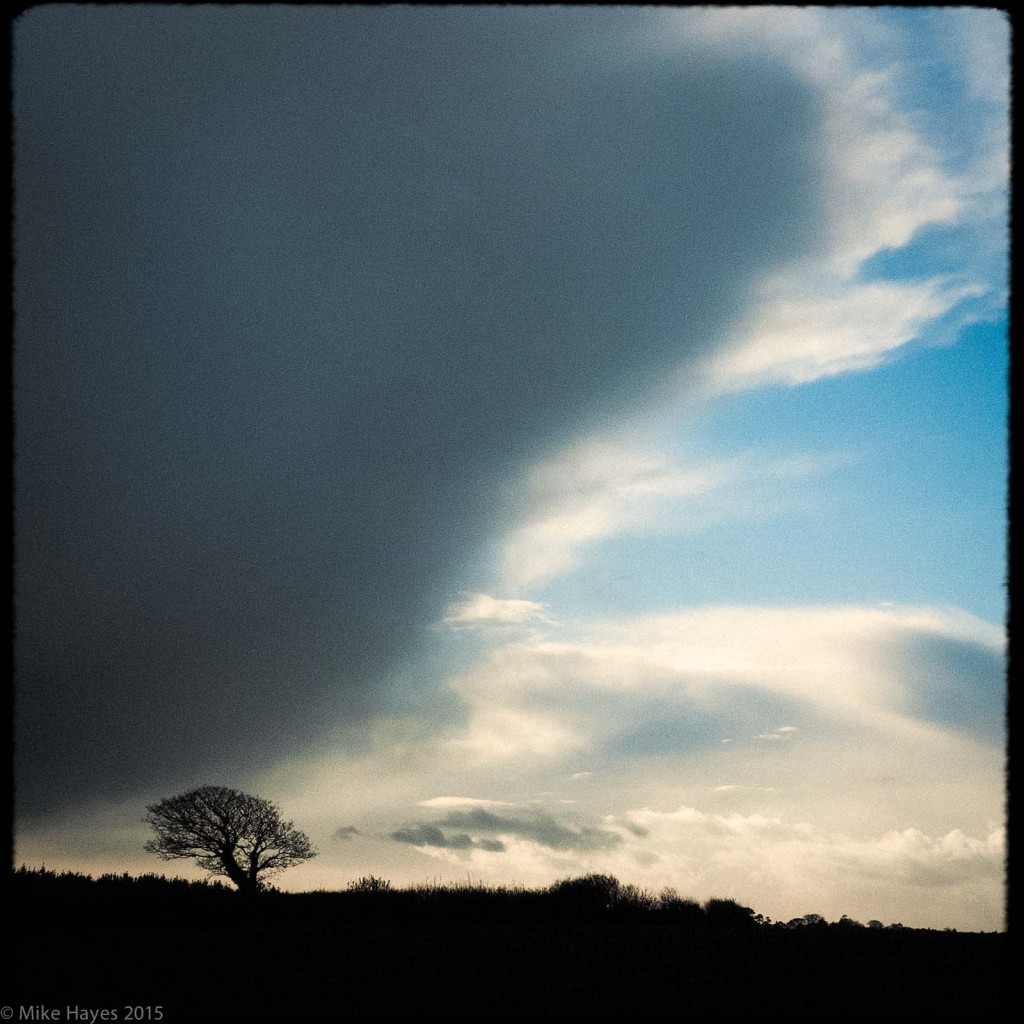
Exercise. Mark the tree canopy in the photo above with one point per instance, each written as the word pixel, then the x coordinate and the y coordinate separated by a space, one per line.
pixel 228 833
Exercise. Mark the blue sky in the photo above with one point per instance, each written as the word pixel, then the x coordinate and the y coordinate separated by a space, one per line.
pixel 521 442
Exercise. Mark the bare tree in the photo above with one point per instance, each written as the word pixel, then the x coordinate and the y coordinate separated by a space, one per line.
pixel 227 833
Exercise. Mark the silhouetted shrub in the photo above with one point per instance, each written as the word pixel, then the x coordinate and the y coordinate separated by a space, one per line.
pixel 848 922
pixel 728 914
pixel 685 911
pixel 631 899
pixel 591 892
pixel 370 883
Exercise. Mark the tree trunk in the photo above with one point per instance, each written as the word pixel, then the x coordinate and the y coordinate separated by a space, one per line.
pixel 253 878
pixel 234 871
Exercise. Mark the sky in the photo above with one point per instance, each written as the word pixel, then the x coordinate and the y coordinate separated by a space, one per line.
pixel 520 442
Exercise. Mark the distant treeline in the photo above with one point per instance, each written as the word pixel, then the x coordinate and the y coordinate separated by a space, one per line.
pixel 200 950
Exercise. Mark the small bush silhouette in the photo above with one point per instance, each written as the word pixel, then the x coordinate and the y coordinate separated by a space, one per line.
pixel 848 922
pixel 728 914
pixel 632 899
pixel 588 892
pixel 370 883
pixel 680 908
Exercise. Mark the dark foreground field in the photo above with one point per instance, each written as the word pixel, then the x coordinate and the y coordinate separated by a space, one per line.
pixel 203 952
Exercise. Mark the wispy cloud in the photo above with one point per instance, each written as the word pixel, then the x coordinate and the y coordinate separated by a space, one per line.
pixel 600 488
pixel 588 492
pixel 482 609
pixel 848 662
pixel 812 333
pixel 886 178
pixel 499 731
pixel 458 802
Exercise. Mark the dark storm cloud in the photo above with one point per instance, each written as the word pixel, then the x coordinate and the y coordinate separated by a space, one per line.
pixel 295 289
pixel 347 832
pixel 429 835
pixel 540 828
pixel 420 835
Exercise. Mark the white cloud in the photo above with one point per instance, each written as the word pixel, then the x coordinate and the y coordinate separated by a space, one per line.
pixel 807 334
pixel 482 609
pixel 456 802
pixel 796 867
pixel 911 857
pixel 884 180
pixel 846 662
pixel 589 491
pixel 501 733
pixel 596 489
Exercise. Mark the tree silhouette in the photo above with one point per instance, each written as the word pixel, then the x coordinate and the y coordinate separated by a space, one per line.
pixel 229 833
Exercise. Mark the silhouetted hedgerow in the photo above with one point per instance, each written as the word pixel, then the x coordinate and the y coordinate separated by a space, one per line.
pixel 576 947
